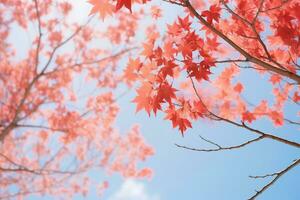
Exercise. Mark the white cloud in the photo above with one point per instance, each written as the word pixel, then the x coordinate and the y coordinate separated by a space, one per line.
pixel 133 190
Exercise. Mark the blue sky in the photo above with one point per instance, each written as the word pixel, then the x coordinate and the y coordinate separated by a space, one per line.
pixel 185 175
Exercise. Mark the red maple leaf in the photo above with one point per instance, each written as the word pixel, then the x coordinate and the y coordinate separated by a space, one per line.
pixel 168 69
pixel 184 22
pixel 212 14
pixel 238 88
pixel 182 123
pixel 275 78
pixel 248 116
pixel 103 8
pixel 166 92
pixel 143 98
pixel 121 3
pixel 130 72
pixel 296 97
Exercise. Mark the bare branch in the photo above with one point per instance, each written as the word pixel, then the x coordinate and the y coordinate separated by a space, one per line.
pixel 213 143
pixel 291 122
pixel 258 12
pixel 264 176
pixel 39 36
pixel 248 67
pixel 175 2
pixel 63 43
pixel 219 148
pixel 111 57
pixel 277 175
pixel 276 7
pixel 39 127
pixel 231 61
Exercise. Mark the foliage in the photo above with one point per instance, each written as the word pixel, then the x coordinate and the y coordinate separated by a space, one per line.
pixel 195 67
pixel 192 68
pixel 53 131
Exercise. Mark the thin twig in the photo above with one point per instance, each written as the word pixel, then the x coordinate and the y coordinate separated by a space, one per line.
pixel 277 175
pixel 219 148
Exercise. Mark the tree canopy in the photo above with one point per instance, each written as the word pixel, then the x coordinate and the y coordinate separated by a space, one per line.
pixel 60 89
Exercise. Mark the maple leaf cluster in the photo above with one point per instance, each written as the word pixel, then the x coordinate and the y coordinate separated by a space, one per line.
pixel 158 73
pixel 189 69
pixel 106 8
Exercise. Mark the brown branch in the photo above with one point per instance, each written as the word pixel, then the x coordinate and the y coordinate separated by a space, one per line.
pixel 174 2
pixel 276 7
pixel 291 121
pixel 38 171
pixel 248 67
pixel 111 57
pixel 63 43
pixel 296 65
pixel 258 11
pixel 277 175
pixel 248 37
pixel 8 159
pixel 220 148
pixel 231 61
pixel 39 36
pixel 22 168
pixel 35 191
pixel 40 127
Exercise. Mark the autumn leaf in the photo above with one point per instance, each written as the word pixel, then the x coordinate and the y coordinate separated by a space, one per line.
pixel 166 92
pixel 121 3
pixel 274 79
pixel 104 8
pixel 168 69
pixel 130 72
pixel 213 14
pixel 238 88
pixel 143 98
pixel 182 123
pixel 296 97
pixel 276 117
pixel 248 117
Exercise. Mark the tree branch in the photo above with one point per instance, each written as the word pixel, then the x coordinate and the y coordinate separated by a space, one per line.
pixel 39 36
pixel 277 175
pixel 231 60
pixel 220 148
pixel 111 57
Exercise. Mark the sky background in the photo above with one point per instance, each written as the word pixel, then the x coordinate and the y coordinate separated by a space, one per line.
pixel 186 175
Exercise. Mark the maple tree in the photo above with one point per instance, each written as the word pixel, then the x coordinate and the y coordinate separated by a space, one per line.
pixel 53 129
pixel 192 68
